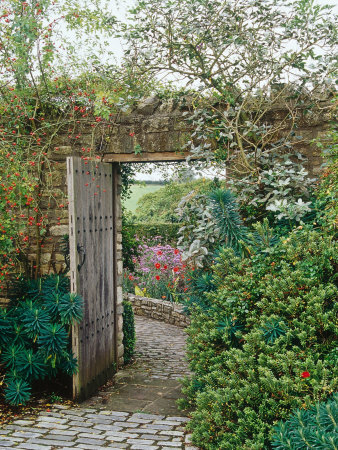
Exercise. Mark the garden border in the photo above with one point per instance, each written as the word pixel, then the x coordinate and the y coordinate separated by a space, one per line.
pixel 161 310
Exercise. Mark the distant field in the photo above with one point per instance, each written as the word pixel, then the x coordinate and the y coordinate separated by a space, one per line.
pixel 136 193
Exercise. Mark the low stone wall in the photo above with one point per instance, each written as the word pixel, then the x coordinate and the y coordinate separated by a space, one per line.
pixel 167 312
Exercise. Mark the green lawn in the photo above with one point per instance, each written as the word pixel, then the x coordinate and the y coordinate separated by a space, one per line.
pixel 137 191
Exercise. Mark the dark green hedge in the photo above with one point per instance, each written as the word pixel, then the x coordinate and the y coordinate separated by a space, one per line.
pixel 168 231
pixel 262 341
pixel 129 337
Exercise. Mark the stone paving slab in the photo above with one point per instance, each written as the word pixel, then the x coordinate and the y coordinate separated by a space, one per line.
pixel 151 384
pixel 138 412
pixel 159 432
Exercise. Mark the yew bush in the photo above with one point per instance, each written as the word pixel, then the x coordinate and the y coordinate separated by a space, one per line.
pixel 262 342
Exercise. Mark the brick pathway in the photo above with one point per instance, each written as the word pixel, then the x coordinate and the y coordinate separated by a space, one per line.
pixel 137 412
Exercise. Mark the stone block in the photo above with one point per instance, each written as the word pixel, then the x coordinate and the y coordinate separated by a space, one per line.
pixel 59 230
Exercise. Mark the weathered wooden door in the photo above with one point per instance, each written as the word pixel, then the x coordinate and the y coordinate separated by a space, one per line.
pixel 92 237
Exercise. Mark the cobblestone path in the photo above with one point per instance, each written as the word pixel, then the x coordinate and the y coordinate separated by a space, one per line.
pixel 137 411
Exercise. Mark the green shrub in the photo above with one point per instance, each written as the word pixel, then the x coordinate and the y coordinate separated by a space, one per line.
pixel 271 318
pixel 160 206
pixel 35 334
pixel 129 243
pixel 315 428
pixel 129 337
pixel 167 231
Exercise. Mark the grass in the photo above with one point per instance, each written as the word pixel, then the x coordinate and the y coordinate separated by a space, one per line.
pixel 137 191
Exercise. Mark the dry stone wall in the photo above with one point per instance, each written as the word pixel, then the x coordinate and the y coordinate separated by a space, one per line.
pixel 162 310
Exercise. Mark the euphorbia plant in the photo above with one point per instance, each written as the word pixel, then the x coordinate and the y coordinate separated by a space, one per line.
pixel 35 334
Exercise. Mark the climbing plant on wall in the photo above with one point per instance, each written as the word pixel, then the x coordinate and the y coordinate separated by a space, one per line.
pixel 260 59
pixel 51 84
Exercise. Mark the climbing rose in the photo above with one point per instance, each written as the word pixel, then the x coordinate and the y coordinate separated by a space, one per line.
pixel 305 375
pixel 157 265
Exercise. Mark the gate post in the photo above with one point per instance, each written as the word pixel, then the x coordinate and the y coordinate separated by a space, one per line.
pixel 117 263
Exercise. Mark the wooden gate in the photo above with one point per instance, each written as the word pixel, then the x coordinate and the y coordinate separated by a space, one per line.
pixel 92 193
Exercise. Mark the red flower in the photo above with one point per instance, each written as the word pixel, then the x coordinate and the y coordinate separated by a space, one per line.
pixel 176 251
pixel 165 267
pixel 157 277
pixel 160 253
pixel 157 265
pixel 131 277
pixel 305 375
pixel 176 269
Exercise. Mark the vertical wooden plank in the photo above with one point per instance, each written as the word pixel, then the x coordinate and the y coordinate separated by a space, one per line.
pixel 115 270
pixel 73 262
pixel 91 207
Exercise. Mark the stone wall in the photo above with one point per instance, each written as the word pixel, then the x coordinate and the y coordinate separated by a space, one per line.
pixel 154 126
pixel 162 310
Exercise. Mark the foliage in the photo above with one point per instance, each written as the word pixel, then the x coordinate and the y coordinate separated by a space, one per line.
pixel 279 189
pixel 129 336
pixel 209 221
pixel 129 242
pixel 160 206
pixel 261 342
pixel 35 331
pixel 315 428
pixel 225 211
pixel 127 177
pixel 51 85
pixel 327 190
pixel 37 100
pixel 159 272
pixel 242 68
pixel 166 233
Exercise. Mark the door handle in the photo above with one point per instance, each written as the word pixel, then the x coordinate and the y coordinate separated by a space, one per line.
pixel 81 250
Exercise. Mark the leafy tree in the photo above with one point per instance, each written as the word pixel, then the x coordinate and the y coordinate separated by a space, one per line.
pixel 259 68
pixel 160 206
